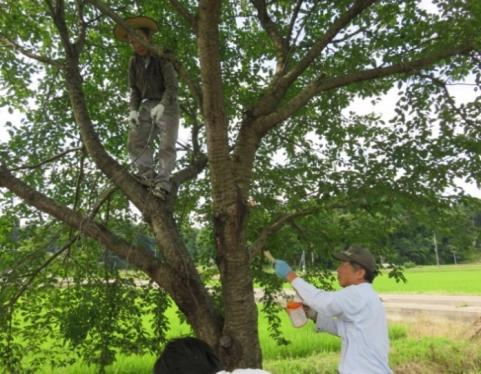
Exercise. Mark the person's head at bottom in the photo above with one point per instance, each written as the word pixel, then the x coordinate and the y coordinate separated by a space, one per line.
pixel 187 355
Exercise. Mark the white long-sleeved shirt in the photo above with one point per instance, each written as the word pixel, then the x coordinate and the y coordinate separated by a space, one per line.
pixel 356 314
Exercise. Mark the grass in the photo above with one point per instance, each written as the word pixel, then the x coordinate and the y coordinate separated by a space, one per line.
pixel 423 347
pixel 416 347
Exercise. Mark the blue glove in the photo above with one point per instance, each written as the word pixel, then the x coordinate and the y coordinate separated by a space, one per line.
pixel 282 268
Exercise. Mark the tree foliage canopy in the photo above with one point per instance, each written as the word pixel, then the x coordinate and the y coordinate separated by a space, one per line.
pixel 274 158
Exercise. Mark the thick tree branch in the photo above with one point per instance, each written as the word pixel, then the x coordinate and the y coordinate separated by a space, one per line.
pixel 357 8
pixel 321 84
pixel 179 276
pixel 138 257
pixel 110 167
pixel 190 172
pixel 29 53
pixel 281 44
pixel 58 15
pixel 166 274
pixel 279 86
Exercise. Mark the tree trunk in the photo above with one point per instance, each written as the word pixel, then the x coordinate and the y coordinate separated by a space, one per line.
pixel 240 345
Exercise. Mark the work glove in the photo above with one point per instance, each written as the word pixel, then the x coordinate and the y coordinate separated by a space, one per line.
pixel 157 112
pixel 310 313
pixel 133 117
pixel 282 269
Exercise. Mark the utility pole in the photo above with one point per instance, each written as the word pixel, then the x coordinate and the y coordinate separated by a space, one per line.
pixel 436 249
pixel 302 262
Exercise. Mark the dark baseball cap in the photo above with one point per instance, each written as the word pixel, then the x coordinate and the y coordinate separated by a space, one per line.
pixel 359 255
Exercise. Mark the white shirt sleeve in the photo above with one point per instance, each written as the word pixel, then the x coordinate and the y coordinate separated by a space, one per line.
pixel 344 302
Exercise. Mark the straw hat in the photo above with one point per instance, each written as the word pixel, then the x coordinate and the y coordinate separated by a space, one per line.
pixel 138 22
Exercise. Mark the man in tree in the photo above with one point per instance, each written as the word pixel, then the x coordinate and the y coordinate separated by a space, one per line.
pixel 154 108
pixel 355 313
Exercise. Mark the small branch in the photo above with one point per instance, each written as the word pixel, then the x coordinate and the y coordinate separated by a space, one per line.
pixel 302 235
pixel 349 36
pixel 295 14
pixel 37 271
pixel 29 53
pixel 357 8
pixel 196 126
pixel 66 247
pixel 275 226
pixel 461 84
pixel 305 18
pixel 104 196
pixel 51 159
pixel 272 30
pixel 191 20
pixel 79 180
pixel 438 82
pixel 81 24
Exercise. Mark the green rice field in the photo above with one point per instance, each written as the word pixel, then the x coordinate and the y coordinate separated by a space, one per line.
pixel 415 348
pixel 444 279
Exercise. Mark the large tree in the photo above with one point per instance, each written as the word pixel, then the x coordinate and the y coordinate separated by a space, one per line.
pixel 265 87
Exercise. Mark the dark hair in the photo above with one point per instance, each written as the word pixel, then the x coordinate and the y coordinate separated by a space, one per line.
pixel 187 356
pixel 145 30
pixel 368 274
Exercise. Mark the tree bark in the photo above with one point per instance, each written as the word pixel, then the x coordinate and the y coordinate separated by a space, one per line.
pixel 240 345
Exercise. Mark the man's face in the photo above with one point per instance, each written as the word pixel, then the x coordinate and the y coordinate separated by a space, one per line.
pixel 347 274
pixel 137 47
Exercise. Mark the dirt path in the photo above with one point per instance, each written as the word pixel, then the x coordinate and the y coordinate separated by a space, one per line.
pixel 406 307
pixel 441 307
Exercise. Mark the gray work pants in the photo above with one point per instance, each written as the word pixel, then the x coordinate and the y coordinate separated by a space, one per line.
pixel 142 136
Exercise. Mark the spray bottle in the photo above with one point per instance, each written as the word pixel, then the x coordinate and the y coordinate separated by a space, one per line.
pixel 294 307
